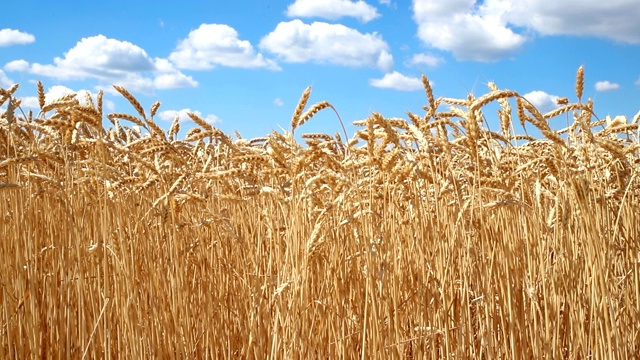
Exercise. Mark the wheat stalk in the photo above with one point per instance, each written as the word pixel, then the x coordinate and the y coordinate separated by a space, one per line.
pixel 282 222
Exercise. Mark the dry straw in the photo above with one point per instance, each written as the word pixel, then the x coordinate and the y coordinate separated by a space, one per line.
pixel 426 237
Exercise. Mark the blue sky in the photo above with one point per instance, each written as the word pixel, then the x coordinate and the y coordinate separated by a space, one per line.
pixel 244 64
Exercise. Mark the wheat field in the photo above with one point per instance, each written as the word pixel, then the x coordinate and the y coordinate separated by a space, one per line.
pixel 428 237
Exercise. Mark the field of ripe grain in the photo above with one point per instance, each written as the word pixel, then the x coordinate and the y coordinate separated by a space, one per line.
pixel 421 238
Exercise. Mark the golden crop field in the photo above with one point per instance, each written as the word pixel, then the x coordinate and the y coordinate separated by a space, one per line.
pixel 427 237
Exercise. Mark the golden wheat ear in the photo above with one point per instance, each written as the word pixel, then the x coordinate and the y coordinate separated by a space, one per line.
pixel 132 100
pixel 41 99
pixel 580 83
pixel 295 119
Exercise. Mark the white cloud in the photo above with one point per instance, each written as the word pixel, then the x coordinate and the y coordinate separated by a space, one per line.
pixel 5 82
pixel 615 19
pixel 320 42
pixel 17 65
pixel 9 37
pixel 542 101
pixel 111 62
pixel 606 86
pixel 216 44
pixel 30 102
pixel 637 81
pixel 100 54
pixel 385 2
pixel 484 30
pixel 168 77
pixel 278 102
pixel 169 115
pixel 397 81
pixel 469 31
pixel 333 9
pixel 425 59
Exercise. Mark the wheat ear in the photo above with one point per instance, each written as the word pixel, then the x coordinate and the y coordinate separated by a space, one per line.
pixel 134 102
pixel 41 100
pixel 429 91
pixel 154 108
pixel 307 115
pixel 175 127
pixel 580 83
pixel 200 121
pixel 295 119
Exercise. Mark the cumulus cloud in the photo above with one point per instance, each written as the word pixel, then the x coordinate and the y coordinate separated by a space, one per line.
pixel 484 30
pixel 616 20
pixel 333 9
pixel 278 102
pixel 99 54
pixel 9 37
pixel 469 31
pixel 606 86
pixel 111 62
pixel 397 81
pixel 217 44
pixel 320 42
pixel 166 76
pixel 542 101
pixel 425 59
pixel 17 65
pixel 170 115
pixel 5 82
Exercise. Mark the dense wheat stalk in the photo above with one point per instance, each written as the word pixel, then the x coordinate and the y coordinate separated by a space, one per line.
pixel 426 238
